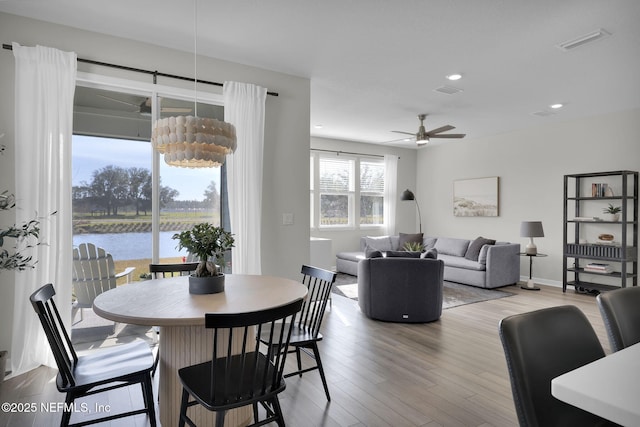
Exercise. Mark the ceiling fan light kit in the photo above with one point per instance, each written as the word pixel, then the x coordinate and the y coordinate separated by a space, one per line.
pixel 422 137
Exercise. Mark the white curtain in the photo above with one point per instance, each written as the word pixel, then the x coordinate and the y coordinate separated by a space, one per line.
pixel 390 193
pixel 244 107
pixel 45 81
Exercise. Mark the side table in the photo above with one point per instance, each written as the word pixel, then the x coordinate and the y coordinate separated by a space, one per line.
pixel 530 285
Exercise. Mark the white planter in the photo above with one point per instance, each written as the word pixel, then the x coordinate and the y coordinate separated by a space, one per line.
pixel 611 217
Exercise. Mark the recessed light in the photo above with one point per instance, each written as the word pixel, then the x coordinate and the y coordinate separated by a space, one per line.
pixel 454 77
pixel 556 106
pixel 318 126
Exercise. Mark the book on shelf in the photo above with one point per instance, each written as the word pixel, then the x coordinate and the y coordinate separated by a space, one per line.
pixel 601 189
pixel 598 267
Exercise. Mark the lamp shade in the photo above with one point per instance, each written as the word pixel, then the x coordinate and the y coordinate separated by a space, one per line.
pixel 531 229
pixel 407 195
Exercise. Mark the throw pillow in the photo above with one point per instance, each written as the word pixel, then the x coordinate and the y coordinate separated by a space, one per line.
pixel 370 252
pixel 381 243
pixel 430 253
pixel 409 238
pixel 473 251
pixel 402 254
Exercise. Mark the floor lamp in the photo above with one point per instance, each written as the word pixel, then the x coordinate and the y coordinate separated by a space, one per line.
pixel 408 195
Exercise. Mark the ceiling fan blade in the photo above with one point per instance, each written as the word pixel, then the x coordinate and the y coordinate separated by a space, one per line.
pixel 406 133
pixel 118 100
pixel 440 129
pixel 448 135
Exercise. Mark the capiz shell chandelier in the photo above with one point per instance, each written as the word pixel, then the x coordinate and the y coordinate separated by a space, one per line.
pixel 193 142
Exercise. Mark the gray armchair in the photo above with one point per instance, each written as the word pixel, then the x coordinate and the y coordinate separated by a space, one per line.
pixel 401 289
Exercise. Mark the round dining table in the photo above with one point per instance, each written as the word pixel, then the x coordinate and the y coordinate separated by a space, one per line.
pixel 184 341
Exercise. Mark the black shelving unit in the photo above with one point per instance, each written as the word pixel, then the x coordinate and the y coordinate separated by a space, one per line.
pixel 581 190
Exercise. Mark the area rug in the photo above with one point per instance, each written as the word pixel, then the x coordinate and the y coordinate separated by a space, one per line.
pixel 454 294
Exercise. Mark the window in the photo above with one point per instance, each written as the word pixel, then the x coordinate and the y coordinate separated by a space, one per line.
pixel 112 172
pixel 350 191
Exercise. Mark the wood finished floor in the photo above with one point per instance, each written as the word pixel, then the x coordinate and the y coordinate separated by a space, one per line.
pixel 447 373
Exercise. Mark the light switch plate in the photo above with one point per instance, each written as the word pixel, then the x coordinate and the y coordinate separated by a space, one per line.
pixel 287 219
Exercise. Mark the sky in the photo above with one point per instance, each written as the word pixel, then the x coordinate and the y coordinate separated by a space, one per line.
pixel 92 153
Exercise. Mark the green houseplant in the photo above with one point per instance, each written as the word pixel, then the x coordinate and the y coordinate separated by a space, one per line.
pixel 209 243
pixel 23 237
pixel 612 212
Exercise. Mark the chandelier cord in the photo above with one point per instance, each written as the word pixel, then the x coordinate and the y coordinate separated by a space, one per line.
pixel 195 56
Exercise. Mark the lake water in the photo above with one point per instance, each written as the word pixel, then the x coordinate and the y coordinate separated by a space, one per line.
pixel 125 246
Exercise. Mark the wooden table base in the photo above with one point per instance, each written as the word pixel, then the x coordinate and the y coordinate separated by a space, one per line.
pixel 182 346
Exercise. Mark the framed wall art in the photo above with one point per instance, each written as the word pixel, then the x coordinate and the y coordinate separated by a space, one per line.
pixel 476 197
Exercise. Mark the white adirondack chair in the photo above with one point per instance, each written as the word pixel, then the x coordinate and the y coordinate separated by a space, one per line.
pixel 93 273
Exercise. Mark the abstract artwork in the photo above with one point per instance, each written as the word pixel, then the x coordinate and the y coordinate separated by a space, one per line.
pixel 475 197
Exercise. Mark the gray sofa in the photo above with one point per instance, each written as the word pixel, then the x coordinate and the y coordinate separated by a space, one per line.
pixel 401 289
pixel 496 265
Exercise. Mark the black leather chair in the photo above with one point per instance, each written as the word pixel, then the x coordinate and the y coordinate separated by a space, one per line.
pixel 95 372
pixel 539 346
pixel 620 310
pixel 249 377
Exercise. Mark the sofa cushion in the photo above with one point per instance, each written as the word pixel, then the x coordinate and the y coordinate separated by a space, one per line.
pixel 381 243
pixel 430 253
pixel 350 256
pixel 451 246
pixel 428 242
pixel 461 262
pixel 403 254
pixel 482 256
pixel 404 238
pixel 473 251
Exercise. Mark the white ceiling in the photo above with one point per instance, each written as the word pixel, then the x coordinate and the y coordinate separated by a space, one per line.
pixel 374 64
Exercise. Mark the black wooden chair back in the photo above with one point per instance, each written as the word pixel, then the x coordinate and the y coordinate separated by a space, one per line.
pixel 159 271
pixel 319 283
pixel 239 373
pixel 57 336
pixel 101 370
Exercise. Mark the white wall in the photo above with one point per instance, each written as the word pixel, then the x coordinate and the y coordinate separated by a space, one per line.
pixel 286 134
pixel 531 165
pixel 406 217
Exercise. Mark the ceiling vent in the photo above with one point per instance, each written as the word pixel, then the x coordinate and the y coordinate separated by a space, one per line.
pixel 449 90
pixel 582 40
pixel 544 113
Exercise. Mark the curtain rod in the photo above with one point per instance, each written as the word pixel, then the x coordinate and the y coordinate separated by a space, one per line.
pixel 155 73
pixel 338 152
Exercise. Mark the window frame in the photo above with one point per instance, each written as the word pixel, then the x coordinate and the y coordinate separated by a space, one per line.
pixel 153 91
pixel 354 195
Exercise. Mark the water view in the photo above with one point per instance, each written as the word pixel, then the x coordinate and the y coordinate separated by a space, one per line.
pixel 126 246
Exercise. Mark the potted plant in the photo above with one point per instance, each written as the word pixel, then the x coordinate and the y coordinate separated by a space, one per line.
pixel 22 236
pixel 209 243
pixel 612 212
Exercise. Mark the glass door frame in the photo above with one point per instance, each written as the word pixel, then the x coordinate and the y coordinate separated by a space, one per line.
pixel 154 91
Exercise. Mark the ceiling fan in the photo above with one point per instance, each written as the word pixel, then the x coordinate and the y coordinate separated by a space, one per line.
pixel 144 107
pixel 422 136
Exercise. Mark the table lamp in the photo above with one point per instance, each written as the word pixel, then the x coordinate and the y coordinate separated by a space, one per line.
pixel 531 229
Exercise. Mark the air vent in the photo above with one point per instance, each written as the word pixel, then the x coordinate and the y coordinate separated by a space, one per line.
pixel 582 40
pixel 449 90
pixel 544 113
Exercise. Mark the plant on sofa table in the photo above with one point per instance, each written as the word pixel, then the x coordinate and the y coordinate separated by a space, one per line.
pixel 206 240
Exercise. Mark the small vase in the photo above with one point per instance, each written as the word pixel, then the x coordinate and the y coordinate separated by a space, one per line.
pixel 206 285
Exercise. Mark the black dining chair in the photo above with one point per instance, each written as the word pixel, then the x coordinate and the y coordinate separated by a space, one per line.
pixel 239 374
pixel 162 271
pixel 306 333
pixel 99 371
pixel 620 310
pixel 539 346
